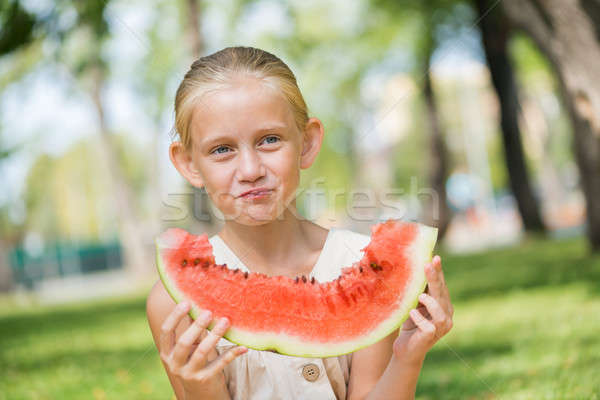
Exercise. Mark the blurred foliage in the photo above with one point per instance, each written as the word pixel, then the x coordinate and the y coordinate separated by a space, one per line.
pixel 70 197
pixel 336 49
pixel 538 83
pixel 161 63
pixel 16 26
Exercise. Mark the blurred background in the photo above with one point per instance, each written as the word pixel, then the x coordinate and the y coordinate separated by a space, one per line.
pixel 481 117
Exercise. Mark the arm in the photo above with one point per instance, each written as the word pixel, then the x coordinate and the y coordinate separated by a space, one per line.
pixel 399 380
pixel 390 368
pixel 158 305
pixel 376 375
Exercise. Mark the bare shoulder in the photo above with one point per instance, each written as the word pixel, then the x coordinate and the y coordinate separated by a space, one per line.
pixel 159 301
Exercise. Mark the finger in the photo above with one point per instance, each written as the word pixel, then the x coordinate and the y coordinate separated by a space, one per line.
pixel 443 296
pixel 423 310
pixel 438 315
pixel 424 325
pixel 167 330
pixel 409 324
pixel 184 345
pixel 434 275
pixel 427 290
pixel 441 269
pixel 199 357
pixel 224 359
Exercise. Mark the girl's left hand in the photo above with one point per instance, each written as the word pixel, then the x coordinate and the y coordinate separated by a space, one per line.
pixel 431 320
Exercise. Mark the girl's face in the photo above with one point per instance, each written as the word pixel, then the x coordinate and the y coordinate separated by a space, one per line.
pixel 244 137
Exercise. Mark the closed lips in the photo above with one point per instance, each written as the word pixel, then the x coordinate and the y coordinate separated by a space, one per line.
pixel 255 192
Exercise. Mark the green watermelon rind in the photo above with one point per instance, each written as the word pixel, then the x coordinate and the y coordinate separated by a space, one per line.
pixel 421 249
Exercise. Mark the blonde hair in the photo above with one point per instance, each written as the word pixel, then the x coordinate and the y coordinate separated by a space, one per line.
pixel 217 69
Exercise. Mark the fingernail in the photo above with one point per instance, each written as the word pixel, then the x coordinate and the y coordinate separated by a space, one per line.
pixel 183 305
pixel 206 314
pixel 422 296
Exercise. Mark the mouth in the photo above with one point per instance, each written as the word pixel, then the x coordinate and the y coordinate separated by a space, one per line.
pixel 256 194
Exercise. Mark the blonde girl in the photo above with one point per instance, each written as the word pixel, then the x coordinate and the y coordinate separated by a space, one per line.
pixel 244 135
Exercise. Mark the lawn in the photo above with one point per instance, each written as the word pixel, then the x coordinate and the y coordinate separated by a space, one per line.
pixel 527 324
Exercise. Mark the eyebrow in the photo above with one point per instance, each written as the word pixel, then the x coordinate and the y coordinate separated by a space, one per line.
pixel 221 138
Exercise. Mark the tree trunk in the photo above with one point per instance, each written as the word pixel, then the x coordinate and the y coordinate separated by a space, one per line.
pixel 137 258
pixel 200 204
pixel 568 32
pixel 495 33
pixel 193 27
pixel 6 276
pixel 437 211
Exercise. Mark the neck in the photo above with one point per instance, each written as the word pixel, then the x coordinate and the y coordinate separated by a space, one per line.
pixel 270 244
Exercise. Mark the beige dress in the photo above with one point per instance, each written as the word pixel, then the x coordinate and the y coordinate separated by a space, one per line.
pixel 263 375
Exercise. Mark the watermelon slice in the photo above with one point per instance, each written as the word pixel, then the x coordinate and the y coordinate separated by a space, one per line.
pixel 302 317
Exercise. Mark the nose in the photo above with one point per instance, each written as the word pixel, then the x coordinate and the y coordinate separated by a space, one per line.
pixel 250 166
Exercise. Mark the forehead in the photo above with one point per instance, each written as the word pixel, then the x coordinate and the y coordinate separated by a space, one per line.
pixel 240 107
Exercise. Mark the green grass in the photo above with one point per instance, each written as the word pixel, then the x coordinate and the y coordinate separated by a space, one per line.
pixel 527 323
pixel 526 326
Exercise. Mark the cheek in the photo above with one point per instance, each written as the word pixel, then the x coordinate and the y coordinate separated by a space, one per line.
pixel 216 181
pixel 285 165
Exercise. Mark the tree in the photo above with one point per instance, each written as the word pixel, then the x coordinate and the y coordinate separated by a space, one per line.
pixel 196 43
pixel 91 71
pixel 438 172
pixel 78 45
pixel 17 27
pixel 8 230
pixel 568 33
pixel 495 34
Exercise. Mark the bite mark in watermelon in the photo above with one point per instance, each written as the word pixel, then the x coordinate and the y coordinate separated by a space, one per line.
pixel 301 317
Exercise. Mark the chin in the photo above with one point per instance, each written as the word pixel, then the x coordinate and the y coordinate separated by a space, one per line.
pixel 257 214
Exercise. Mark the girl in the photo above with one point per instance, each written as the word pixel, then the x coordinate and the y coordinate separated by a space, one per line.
pixel 244 136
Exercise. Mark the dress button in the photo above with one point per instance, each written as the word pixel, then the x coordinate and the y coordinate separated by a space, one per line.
pixel 310 372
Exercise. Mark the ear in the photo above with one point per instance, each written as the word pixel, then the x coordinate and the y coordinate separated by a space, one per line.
pixel 311 145
pixel 182 160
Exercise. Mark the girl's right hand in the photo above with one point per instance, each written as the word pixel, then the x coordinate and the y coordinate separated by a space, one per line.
pixel 200 378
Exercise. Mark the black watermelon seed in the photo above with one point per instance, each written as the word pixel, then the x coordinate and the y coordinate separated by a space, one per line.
pixel 360 268
pixel 296 280
pixel 196 261
pixel 184 263
pixel 312 280
pixel 235 271
pixel 245 274
pixel 376 267
pixel 303 278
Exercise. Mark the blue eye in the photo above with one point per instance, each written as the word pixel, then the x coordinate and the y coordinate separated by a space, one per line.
pixel 271 137
pixel 219 148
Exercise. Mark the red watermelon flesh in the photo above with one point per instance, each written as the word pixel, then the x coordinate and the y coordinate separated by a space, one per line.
pixel 368 301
